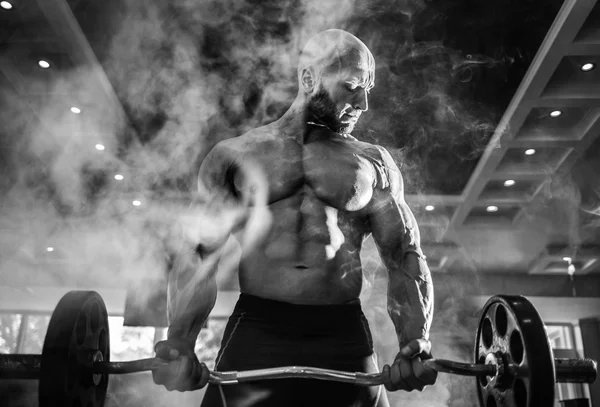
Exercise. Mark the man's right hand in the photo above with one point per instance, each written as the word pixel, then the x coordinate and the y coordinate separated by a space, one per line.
pixel 184 371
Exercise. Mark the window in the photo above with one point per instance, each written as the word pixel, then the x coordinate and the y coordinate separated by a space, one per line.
pixel 563 344
pixel 34 333
pixel 25 333
pixel 560 336
pixel 128 342
pixel 10 325
pixel 209 341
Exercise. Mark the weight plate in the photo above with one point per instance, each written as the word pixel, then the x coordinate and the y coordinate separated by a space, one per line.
pixel 77 335
pixel 512 334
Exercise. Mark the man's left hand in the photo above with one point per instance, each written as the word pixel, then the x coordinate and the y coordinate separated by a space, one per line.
pixel 408 371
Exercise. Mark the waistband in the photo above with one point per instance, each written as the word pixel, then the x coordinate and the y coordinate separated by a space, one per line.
pixel 253 304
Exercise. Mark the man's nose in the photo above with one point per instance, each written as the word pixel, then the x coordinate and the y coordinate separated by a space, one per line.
pixel 362 101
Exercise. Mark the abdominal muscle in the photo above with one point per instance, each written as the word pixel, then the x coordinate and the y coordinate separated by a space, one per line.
pixel 311 255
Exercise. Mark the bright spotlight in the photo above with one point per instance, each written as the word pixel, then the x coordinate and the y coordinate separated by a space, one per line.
pixel 49 249
pixel 136 203
pixel 75 110
pixel 567 259
pixel 555 113
pixel 99 147
pixel 509 182
pixel 119 177
pixel 587 67
pixel 5 5
pixel 492 208
pixel 530 151
pixel 44 64
pixel 429 208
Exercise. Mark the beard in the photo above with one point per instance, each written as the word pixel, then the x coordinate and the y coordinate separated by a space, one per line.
pixel 323 108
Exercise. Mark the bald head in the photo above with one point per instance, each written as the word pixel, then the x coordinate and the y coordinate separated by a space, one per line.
pixel 331 51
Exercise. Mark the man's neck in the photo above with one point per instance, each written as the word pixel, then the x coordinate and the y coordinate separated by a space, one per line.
pixel 293 123
pixel 298 121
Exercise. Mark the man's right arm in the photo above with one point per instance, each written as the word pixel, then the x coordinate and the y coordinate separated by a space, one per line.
pixel 232 198
pixel 192 288
pixel 205 227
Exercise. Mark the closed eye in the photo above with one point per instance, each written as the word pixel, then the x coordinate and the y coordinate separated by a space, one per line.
pixel 353 87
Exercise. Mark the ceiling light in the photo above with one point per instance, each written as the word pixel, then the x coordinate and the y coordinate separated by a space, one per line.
pixel 492 208
pixel 136 203
pixel 530 151
pixel 49 249
pixel 429 208
pixel 567 259
pixel 119 177
pixel 509 182
pixel 76 110
pixel 43 64
pixel 99 147
pixel 5 5
pixel 555 113
pixel 587 67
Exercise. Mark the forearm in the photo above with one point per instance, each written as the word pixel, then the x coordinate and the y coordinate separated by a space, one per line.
pixel 192 296
pixel 191 312
pixel 410 299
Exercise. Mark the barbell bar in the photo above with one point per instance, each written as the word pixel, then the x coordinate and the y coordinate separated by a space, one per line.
pixel 23 366
pixel 513 358
pixel 567 371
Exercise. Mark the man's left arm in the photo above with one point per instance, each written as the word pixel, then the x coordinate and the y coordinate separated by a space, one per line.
pixel 410 288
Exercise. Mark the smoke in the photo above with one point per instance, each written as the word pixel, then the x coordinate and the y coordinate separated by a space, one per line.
pixel 566 206
pixel 189 74
pixel 556 209
pixel 428 117
pixel 585 175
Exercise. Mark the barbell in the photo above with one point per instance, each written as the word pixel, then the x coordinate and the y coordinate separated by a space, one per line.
pixel 514 364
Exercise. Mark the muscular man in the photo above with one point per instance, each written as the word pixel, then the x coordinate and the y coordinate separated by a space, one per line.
pixel 301 195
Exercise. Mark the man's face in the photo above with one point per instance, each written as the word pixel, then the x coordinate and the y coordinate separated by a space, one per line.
pixel 342 94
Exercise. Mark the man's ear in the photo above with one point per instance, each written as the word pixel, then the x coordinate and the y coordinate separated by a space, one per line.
pixel 307 80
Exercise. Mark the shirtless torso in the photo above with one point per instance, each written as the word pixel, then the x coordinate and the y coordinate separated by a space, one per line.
pixel 301 195
pixel 323 188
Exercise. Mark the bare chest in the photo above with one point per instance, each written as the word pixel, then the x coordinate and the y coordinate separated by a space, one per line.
pixel 339 172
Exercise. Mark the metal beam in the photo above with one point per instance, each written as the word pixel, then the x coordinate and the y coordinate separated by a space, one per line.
pixel 565 27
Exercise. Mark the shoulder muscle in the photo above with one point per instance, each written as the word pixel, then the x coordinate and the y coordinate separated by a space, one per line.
pixel 217 171
pixel 388 176
pixel 230 169
pixel 396 183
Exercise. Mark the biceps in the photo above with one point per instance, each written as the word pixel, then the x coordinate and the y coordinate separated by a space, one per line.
pixel 395 232
pixel 412 236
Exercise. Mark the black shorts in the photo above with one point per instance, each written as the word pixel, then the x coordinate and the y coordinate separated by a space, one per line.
pixel 265 333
